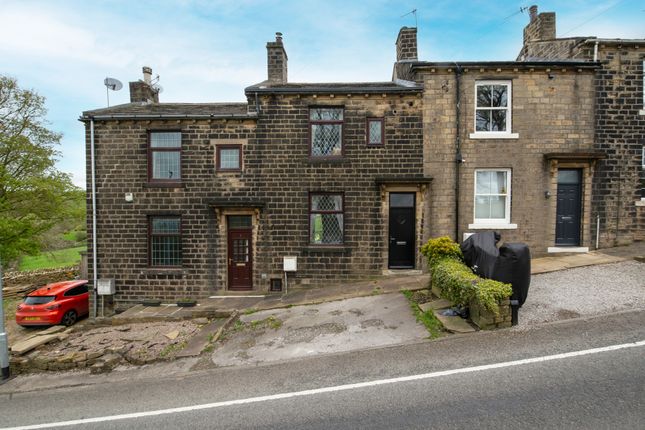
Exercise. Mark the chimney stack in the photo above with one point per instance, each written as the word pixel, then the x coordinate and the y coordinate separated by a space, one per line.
pixel 540 27
pixel 277 61
pixel 406 44
pixel 142 91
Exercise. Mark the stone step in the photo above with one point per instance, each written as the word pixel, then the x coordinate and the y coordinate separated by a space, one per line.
pixel 435 304
pixel 210 333
pixel 454 324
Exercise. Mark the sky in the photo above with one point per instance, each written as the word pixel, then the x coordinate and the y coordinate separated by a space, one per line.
pixel 210 50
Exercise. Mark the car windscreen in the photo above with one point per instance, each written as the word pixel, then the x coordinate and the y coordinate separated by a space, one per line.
pixel 38 300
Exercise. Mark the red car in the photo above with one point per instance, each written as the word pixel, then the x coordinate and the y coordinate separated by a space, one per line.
pixel 58 303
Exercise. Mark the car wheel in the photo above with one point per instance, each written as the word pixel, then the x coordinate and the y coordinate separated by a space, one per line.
pixel 69 318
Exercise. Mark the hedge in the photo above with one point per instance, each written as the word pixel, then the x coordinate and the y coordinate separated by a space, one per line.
pixel 456 281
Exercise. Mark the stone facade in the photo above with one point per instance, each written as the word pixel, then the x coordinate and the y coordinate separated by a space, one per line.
pixel 427 150
pixel 549 116
pixel 619 184
pixel 273 187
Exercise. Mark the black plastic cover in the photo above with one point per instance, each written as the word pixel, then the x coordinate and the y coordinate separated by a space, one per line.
pixel 511 263
pixel 480 253
pixel 514 267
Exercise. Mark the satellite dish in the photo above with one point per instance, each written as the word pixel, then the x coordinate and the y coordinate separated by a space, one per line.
pixel 158 88
pixel 111 84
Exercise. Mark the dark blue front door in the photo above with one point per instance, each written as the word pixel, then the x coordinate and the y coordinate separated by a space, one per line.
pixel 569 204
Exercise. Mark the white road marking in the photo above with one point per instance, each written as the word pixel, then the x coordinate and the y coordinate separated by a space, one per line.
pixel 332 389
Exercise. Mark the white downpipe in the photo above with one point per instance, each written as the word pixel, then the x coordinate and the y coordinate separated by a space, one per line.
pixel 595 52
pixel 94 275
pixel 597 230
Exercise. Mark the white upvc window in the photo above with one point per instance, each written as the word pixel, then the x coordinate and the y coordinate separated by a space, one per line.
pixel 493 114
pixel 492 199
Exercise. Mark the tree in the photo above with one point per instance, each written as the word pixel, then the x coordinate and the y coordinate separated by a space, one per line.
pixel 33 193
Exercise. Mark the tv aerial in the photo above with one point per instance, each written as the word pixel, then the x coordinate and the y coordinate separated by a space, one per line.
pixel 154 84
pixel 111 84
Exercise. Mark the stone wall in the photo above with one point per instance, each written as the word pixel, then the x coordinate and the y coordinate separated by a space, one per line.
pixel 548 115
pixel 620 134
pixel 487 320
pixel 274 186
pixel 39 278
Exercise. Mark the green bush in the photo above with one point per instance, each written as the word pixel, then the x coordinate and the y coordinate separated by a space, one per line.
pixel 441 247
pixel 460 285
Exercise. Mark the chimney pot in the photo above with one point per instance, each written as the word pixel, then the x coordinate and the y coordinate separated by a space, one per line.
pixel 147 75
pixel 278 37
pixel 533 12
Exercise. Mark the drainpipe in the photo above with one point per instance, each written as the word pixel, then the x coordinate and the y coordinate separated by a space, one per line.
pixel 4 342
pixel 595 51
pixel 458 157
pixel 94 275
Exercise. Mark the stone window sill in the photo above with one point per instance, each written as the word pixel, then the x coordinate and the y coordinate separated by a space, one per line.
pixel 494 135
pixel 328 160
pixel 326 249
pixel 174 271
pixel 163 185
pixel 499 226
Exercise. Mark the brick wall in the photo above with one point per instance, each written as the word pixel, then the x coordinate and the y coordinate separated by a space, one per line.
pixel 550 116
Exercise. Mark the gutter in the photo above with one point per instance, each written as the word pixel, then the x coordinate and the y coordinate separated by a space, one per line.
pixel 165 116
pixel 339 90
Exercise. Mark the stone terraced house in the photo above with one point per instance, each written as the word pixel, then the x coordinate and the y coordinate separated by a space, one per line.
pixel 618 207
pixel 343 180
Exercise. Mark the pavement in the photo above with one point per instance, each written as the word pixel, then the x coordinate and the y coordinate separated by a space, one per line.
pixel 226 305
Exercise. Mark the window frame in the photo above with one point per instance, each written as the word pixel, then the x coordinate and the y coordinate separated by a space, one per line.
pixel 151 235
pixel 506 134
pixel 342 212
pixel 218 158
pixel 151 151
pixel 380 120
pixel 330 122
pixel 506 221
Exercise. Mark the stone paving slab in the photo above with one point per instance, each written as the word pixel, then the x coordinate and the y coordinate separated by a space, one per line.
pixel 454 324
pixel 25 346
pixel 555 263
pixel 435 304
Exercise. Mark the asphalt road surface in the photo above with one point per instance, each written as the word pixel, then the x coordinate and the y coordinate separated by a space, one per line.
pixel 583 373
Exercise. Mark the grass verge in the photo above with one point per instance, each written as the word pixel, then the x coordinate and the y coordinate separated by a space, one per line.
pixel 52 260
pixel 431 323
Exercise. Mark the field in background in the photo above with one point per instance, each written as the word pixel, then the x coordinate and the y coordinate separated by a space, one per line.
pixel 52 259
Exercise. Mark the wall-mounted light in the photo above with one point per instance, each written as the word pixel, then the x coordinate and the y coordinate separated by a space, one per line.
pixel 551 76
pixel 547 194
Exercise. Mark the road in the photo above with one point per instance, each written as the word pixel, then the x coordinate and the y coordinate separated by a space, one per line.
pixel 482 380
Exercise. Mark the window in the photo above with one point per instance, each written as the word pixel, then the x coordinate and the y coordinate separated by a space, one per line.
pixel 326 130
pixel 76 291
pixel 164 241
pixel 326 219
pixel 375 131
pixel 229 157
pixel 492 196
pixel 493 109
pixel 164 156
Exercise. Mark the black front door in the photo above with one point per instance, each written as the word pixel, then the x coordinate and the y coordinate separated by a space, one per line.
pixel 402 231
pixel 567 229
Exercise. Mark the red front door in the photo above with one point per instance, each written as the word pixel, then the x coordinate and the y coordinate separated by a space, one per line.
pixel 240 258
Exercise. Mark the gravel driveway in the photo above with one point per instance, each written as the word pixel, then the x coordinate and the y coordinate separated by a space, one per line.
pixel 584 291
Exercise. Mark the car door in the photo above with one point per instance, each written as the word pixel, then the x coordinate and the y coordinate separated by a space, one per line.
pixel 77 299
